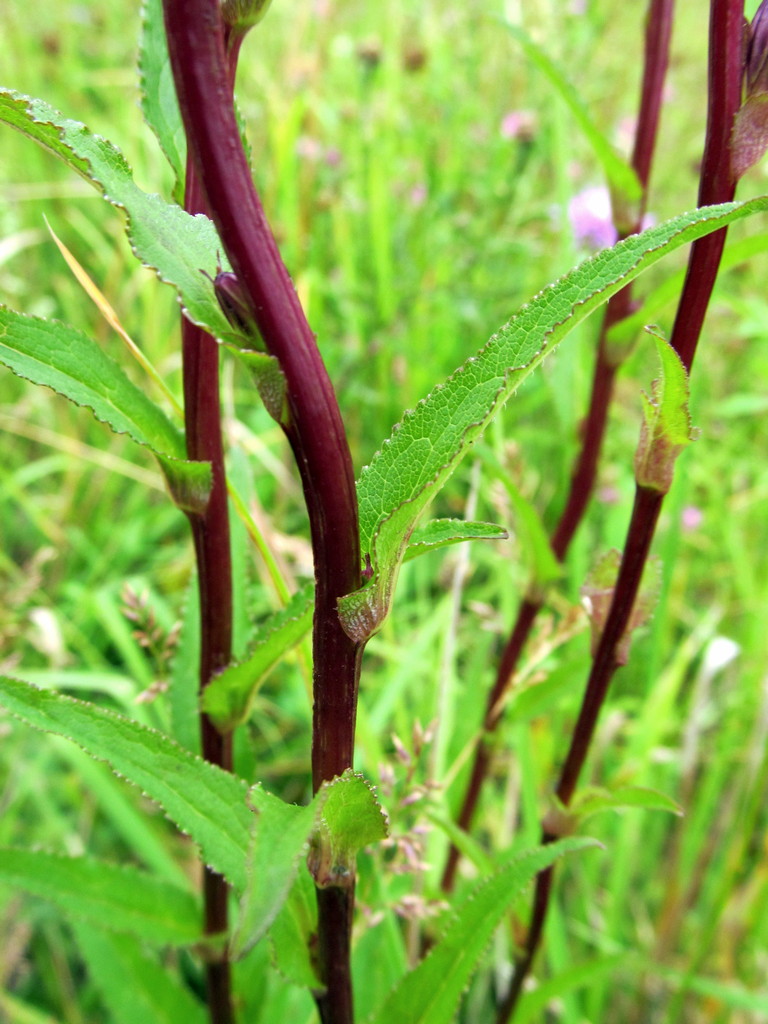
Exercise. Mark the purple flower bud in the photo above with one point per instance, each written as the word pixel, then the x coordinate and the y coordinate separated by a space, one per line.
pixel 757 52
pixel 235 305
pixel 749 140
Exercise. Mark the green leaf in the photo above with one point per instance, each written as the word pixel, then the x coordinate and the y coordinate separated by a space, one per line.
pixel 164 237
pixel 622 179
pixel 64 359
pixel 430 993
pixel 534 1003
pixel 667 426
pixel 158 93
pixel 343 817
pixel 58 356
pixel 350 818
pixel 292 932
pixel 119 898
pixel 438 533
pixel 14 1011
pixel 594 800
pixel 280 842
pixel 133 985
pixel 228 697
pixel 427 445
pixel 269 380
pixel 731 994
pixel 207 803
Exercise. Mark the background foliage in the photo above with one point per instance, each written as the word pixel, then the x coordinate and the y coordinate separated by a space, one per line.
pixel 414 217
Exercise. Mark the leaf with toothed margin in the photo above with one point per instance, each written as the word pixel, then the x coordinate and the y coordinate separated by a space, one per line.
pixel 204 801
pixel 118 897
pixel 64 359
pixel 158 93
pixel 176 244
pixel 133 984
pixel 350 818
pixel 343 817
pixel 430 993
pixel 430 441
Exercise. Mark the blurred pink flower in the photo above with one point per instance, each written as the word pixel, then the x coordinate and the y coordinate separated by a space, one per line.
pixel 518 124
pixel 589 212
pixel 418 195
pixel 691 518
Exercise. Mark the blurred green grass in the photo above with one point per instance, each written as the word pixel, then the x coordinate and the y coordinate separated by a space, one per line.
pixel 413 227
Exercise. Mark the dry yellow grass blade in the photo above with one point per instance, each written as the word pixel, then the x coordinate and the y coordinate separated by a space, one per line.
pixel 95 294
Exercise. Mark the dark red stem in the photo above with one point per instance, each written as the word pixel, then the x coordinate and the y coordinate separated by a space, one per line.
pixel 717 183
pixel 620 305
pixel 314 427
pixel 210 532
pixel 725 68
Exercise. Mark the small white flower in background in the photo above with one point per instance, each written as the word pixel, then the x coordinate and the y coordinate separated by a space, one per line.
pixel 719 652
pixel 47 636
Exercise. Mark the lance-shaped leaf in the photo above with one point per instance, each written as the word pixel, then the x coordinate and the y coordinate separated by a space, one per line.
pixel 164 237
pixel 64 359
pixel 343 817
pixel 666 429
pixel 133 984
pixel 439 533
pixel 228 697
pixel 427 445
pixel 593 800
pixel 121 899
pixel 158 93
pixel 292 933
pixel 561 820
pixel 430 993
pixel 206 802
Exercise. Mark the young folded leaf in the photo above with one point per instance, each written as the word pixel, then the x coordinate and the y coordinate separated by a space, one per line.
pixel 666 429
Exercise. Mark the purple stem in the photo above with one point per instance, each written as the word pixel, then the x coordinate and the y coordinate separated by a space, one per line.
pixel 725 68
pixel 197 47
pixel 657 38
pixel 210 532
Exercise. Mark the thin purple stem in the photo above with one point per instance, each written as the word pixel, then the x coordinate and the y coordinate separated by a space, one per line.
pixel 717 185
pixel 657 39
pixel 314 426
pixel 210 532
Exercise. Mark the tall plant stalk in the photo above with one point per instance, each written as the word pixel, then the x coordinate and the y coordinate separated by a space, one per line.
pixel 657 38
pixel 717 184
pixel 312 423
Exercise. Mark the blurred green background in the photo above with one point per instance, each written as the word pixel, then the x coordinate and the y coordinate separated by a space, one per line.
pixel 417 171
